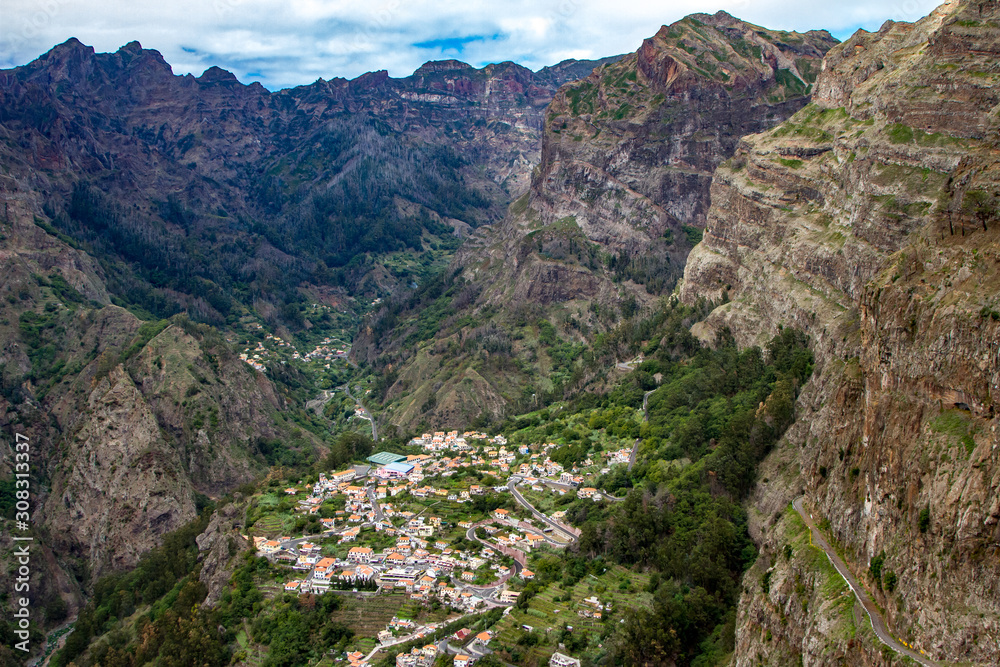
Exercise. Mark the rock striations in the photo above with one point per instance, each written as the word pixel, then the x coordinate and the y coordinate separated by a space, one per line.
pixel 871 219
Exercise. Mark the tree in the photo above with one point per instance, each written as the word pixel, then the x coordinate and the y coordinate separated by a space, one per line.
pixel 924 521
pixel 982 206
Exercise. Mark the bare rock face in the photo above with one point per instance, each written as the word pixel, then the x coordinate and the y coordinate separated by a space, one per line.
pixel 870 220
pixel 119 487
pixel 220 547
pixel 630 150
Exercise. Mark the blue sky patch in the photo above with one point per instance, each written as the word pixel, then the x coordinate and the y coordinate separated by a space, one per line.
pixel 456 44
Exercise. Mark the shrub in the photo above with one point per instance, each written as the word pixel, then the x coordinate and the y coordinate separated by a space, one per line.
pixel 890 581
pixel 875 569
pixel 924 522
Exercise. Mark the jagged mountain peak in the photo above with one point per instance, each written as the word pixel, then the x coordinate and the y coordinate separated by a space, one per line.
pixel 218 75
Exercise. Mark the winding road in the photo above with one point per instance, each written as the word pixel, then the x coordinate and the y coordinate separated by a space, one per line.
pixel 487 592
pixel 554 525
pixel 874 615
pixel 645 417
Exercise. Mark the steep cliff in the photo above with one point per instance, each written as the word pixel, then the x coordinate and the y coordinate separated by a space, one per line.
pixel 870 220
pixel 219 548
pixel 615 204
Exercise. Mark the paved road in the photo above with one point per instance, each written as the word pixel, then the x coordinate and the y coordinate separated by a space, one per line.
pixel 487 592
pixel 378 510
pixel 364 411
pixel 512 487
pixel 570 487
pixel 878 623
pixel 426 629
pixel 645 417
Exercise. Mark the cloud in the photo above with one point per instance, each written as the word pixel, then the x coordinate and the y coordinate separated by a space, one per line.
pixel 295 42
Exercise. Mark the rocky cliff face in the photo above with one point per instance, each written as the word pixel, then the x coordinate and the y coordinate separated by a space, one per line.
pixel 219 548
pixel 870 220
pixel 630 150
pixel 616 203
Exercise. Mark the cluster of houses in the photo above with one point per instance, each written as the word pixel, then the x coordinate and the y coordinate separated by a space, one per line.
pixel 426 655
pixel 619 456
pixel 327 351
pixel 415 563
pixel 408 566
pixel 592 608
pixel 255 356
pixel 440 441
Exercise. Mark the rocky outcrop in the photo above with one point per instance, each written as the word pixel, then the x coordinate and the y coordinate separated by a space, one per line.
pixel 870 220
pixel 630 150
pixel 118 453
pixel 219 549
pixel 615 204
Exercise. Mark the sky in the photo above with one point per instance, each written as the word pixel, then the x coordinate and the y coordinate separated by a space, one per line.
pixel 284 43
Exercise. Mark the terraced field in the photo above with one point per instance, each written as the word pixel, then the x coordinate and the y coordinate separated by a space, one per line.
pixel 270 523
pixel 549 611
pixel 369 616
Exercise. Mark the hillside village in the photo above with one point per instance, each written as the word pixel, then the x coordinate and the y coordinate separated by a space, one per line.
pixel 412 524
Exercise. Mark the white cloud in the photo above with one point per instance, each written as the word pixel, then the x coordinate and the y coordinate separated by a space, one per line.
pixel 292 43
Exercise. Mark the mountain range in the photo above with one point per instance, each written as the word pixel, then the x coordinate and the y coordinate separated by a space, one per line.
pixel 498 240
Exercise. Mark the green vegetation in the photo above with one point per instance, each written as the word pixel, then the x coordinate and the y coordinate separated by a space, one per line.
pixel 181 255
pixel 159 597
pixel 693 234
pixel 875 569
pixel 924 520
pixel 582 98
pixel 794 86
pixel 958 425
pixel 681 521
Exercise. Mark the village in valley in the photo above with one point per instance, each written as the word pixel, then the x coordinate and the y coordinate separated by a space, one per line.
pixel 454 527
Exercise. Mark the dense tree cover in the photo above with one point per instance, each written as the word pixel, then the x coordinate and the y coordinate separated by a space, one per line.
pixel 350 446
pixel 298 630
pixel 722 410
pixel 173 628
pixel 163 578
pixel 317 216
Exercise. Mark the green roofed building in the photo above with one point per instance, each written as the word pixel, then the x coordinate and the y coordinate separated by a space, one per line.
pixel 385 458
